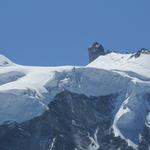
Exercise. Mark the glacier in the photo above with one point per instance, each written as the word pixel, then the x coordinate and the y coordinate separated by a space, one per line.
pixel 26 91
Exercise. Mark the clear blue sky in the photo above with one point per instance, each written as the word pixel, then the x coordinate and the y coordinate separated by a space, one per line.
pixel 58 32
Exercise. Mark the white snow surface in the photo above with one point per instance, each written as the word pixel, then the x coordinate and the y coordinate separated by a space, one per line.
pixel 124 62
pixel 25 91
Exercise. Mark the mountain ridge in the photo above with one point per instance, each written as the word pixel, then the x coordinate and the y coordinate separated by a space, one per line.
pixel 30 89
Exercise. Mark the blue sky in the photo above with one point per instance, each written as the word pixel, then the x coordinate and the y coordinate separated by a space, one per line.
pixel 58 32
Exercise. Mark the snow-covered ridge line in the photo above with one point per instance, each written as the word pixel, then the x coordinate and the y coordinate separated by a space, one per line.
pixel 5 62
pixel 124 62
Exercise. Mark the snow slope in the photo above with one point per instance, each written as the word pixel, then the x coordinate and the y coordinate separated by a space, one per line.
pixel 124 62
pixel 4 61
pixel 25 91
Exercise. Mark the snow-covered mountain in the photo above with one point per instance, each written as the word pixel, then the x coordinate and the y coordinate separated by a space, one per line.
pixel 26 93
pixel 133 113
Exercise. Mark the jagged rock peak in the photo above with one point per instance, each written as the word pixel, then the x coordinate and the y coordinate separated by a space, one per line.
pixel 95 50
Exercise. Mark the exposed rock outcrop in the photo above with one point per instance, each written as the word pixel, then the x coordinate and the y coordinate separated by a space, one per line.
pixel 95 50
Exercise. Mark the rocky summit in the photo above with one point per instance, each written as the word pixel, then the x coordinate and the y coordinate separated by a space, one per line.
pixel 95 50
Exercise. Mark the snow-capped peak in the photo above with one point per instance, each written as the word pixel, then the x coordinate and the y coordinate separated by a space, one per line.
pixel 4 61
pixel 29 89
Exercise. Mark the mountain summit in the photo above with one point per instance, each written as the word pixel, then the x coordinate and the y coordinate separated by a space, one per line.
pixel 102 106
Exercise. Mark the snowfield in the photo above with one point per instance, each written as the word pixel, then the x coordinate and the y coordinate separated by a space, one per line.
pixel 124 62
pixel 25 91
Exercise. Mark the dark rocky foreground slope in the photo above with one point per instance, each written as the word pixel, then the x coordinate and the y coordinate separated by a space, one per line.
pixel 73 122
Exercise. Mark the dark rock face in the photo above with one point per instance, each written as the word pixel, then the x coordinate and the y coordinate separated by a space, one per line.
pixel 73 122
pixel 95 51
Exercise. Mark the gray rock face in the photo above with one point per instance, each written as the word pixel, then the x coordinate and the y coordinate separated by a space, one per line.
pixel 73 122
pixel 95 51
